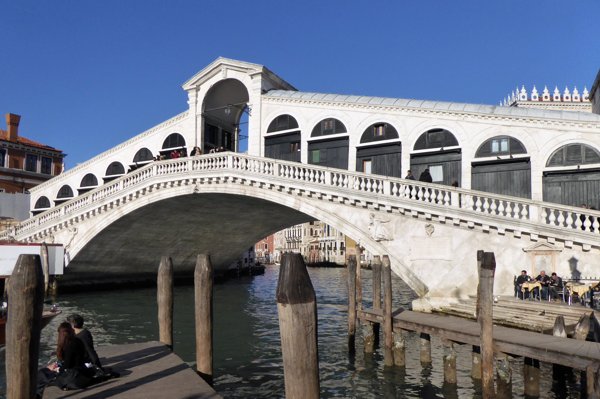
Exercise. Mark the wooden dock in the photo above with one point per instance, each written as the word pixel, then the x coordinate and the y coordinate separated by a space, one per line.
pixel 523 314
pixel 147 370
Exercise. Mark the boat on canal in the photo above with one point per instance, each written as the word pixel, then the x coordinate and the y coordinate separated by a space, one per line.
pixel 47 316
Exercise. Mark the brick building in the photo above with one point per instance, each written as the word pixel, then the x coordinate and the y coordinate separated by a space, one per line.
pixel 25 163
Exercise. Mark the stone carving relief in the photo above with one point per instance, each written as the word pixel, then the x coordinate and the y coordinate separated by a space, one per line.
pixel 379 229
pixel 429 229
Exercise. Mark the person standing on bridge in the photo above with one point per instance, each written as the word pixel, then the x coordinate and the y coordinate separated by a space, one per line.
pixel 426 176
pixel 409 175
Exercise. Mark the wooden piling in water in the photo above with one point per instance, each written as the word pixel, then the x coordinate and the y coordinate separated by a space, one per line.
pixel 23 326
pixel 503 377
pixel 297 308
pixel 45 267
pixel 388 328
pixel 486 266
pixel 425 346
pixel 476 363
pixel 399 349
pixel 203 305
pixel 376 269
pixel 368 336
pixel 359 292
pixel 449 363
pixel 164 299
pixel 351 269
pixel 531 377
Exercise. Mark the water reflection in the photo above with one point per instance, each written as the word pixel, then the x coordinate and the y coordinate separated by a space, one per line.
pixel 247 356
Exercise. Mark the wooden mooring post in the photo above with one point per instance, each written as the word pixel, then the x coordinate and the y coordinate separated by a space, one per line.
pixel 164 299
pixel 531 377
pixel 425 346
pixel 203 306
pixel 449 362
pixel 351 269
pixel 376 268
pixel 23 326
pixel 476 363
pixel 486 265
pixel 388 328
pixel 503 377
pixel 297 308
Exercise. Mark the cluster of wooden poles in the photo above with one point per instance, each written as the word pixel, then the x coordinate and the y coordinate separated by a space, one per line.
pixel 482 356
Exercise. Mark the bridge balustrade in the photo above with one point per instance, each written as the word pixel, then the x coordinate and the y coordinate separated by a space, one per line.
pixel 408 191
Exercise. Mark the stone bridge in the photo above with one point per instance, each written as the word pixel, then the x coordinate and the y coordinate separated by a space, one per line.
pixel 223 203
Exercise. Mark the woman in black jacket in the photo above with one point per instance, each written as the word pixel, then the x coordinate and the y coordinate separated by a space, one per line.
pixel 69 372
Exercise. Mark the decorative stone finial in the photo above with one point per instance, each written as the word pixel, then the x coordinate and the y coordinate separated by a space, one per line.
pixel 575 95
pixel 545 94
pixel 566 94
pixel 586 94
pixel 534 94
pixel 523 94
pixel 556 94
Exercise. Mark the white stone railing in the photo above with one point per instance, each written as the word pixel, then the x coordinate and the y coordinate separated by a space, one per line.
pixel 495 208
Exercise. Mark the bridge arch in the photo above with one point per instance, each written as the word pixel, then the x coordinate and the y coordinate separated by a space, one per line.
pixel 173 142
pixel 502 166
pixel 380 150
pixel 283 139
pixel 329 144
pixel 438 150
pixel 65 193
pixel 41 204
pixel 222 109
pixel 572 175
pixel 89 182
pixel 295 209
pixel 113 171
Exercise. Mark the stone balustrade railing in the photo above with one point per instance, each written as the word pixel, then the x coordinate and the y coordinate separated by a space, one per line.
pixel 491 207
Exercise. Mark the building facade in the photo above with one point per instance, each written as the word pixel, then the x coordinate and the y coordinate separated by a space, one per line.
pixel 25 163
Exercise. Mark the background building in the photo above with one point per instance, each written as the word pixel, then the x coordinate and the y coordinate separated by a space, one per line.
pixel 24 163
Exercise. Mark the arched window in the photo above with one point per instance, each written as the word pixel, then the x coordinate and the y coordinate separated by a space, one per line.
pixel 143 155
pixel 282 122
pixel 328 126
pixel 89 180
pixel 574 154
pixel 435 138
pixel 115 169
pixel 65 192
pixel 42 203
pixel 174 140
pixel 500 145
pixel 379 131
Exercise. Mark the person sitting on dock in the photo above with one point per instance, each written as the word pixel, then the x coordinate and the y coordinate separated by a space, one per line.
pixel 69 372
pixel 523 278
pixel 544 281
pixel 556 286
pixel 86 337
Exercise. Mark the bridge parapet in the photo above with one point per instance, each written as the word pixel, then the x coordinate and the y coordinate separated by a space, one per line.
pixel 571 225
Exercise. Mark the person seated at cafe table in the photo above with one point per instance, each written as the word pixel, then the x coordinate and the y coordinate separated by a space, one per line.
pixel 544 280
pixel 523 278
pixel 555 286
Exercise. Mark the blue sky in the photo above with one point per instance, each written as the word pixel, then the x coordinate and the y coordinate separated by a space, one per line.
pixel 87 75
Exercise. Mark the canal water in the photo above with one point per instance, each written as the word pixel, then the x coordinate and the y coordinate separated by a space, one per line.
pixel 247 355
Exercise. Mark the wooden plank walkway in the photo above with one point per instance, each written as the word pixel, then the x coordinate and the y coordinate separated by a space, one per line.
pixel 527 315
pixel 547 348
pixel 148 370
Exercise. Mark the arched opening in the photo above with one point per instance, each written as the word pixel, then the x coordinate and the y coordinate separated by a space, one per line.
pixel 42 204
pixel 173 147
pixel 282 140
pixel 502 167
pixel 376 154
pixel 329 151
pixel 572 176
pixel 89 182
pixel 223 107
pixel 114 171
pixel 141 158
pixel 64 194
pixel 438 150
